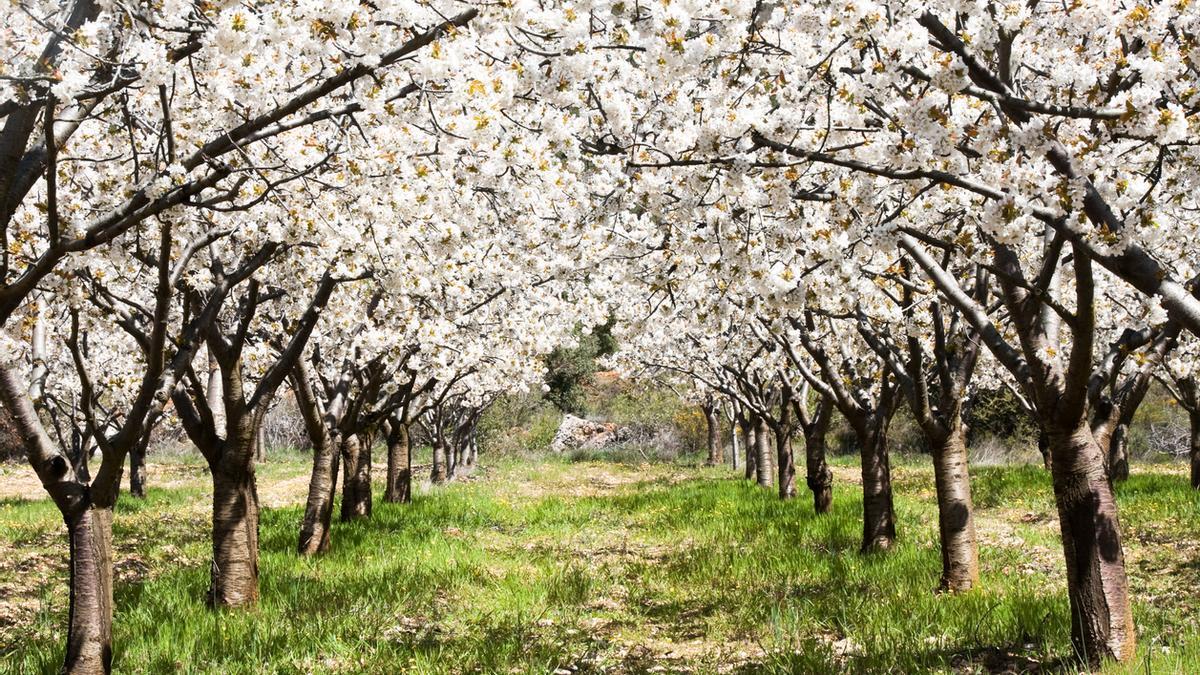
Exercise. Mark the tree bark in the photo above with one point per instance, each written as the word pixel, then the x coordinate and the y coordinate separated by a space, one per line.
pixel 733 438
pixel 1043 442
pixel 785 463
pixel 879 516
pixel 1101 620
pixel 89 626
pixel 1194 448
pixel 762 452
pixel 356 482
pixel 816 470
pixel 235 531
pixel 438 473
pixel 1118 453
pixel 749 433
pixel 956 524
pixel 715 451
pixel 137 468
pixel 318 509
pixel 399 466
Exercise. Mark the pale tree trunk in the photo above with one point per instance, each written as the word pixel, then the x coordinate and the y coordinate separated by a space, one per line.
pixel 399 465
pixel 260 444
pixel 1101 620
pixel 956 523
pixel 715 451
pixel 234 571
pixel 438 473
pixel 879 516
pixel 1194 448
pixel 356 481
pixel 762 453
pixel 785 463
pixel 89 626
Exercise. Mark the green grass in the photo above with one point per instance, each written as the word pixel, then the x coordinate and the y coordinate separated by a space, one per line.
pixel 602 567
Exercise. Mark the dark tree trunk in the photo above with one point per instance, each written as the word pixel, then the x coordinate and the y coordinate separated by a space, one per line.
pixel 785 463
pixel 80 449
pixel 817 474
pixel 715 451
pixel 749 432
pixel 879 516
pixel 733 439
pixel 318 509
pixel 1101 620
pixel 1118 453
pixel 356 483
pixel 235 530
pixel 89 626
pixel 1194 448
pixel 1043 442
pixel 399 466
pixel 137 469
pixel 762 452
pixel 956 524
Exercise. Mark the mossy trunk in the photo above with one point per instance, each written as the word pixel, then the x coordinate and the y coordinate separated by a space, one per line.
pixel 956 523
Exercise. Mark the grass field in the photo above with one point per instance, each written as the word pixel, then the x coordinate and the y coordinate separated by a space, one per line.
pixel 580 567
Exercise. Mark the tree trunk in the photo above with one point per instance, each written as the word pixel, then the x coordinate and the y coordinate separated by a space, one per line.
pixel 785 463
pixel 137 469
pixel 1194 449
pixel 356 481
pixel 816 470
pixel 879 516
pixel 318 509
pixel 733 437
pixel 437 474
pixel 89 626
pixel 399 466
pixel 749 434
pixel 762 452
pixel 1101 621
pixel 235 531
pixel 260 444
pixel 715 451
pixel 1044 448
pixel 1118 453
pixel 956 524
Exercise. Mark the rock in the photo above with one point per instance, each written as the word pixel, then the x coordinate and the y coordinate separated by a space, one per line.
pixel 576 433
